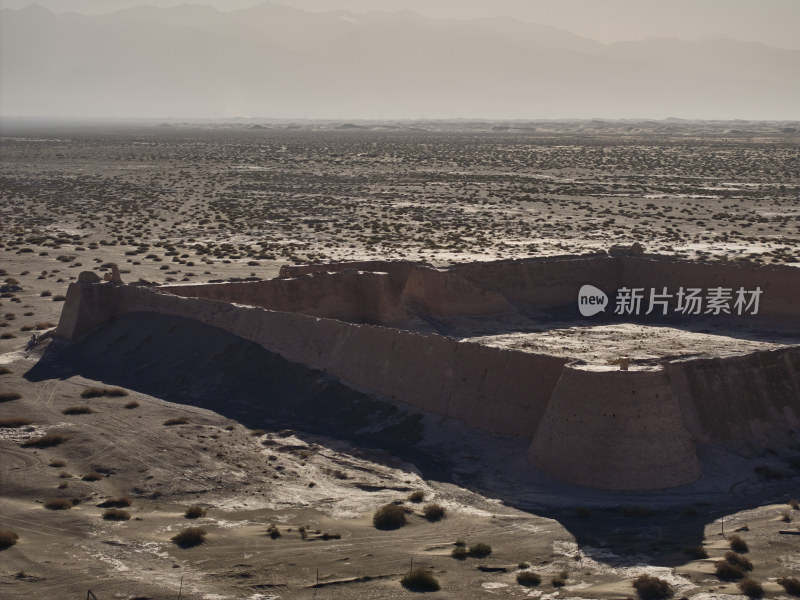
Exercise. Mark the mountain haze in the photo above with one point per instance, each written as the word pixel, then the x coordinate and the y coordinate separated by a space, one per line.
pixel 275 61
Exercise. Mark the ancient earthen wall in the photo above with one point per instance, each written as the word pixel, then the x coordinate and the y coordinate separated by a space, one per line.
pixel 498 390
pixel 615 430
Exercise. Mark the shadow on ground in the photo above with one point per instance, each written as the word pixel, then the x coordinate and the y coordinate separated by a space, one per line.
pixel 183 361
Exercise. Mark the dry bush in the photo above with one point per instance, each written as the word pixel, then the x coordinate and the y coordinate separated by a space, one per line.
pixel 59 298
pixel 258 432
pixel 115 392
pixel 58 504
pixel 528 578
pixel 132 404
pixel 176 421
pixel 738 544
pixel 794 504
pixel 416 497
pixel 790 584
pixel 5 371
pixel 116 514
pixel 9 396
pixel 57 464
pixel 558 581
pixel 330 536
pixel 420 580
pixel 92 476
pixel 479 550
pixel 14 422
pixel 46 441
pixel 696 552
pixel 652 588
pixel 121 502
pixel 7 538
pixel 93 392
pixel 389 516
pixel 460 550
pixel 434 512
pixel 78 410
pixel 273 531
pixel 190 537
pixel 751 588
pixel 195 511
pixel 739 560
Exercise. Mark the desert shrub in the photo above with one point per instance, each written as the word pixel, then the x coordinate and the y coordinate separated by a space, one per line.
pixel 790 584
pixel 57 464
pixel 559 581
pixel 9 396
pixel 46 441
pixel 420 580
pixel 273 531
pixel 14 422
pixel 696 552
pixel 121 502
pixel 652 588
pixel 115 392
pixel 93 392
pixel 195 511
pixel 59 298
pixel 7 538
pixel 751 588
pixel 738 544
pixel 728 571
pixel 78 410
pixel 523 565
pixel 7 336
pixel 459 552
pixel 389 516
pixel 5 371
pixel 92 476
pixel 740 561
pixel 528 578
pixel 795 504
pixel 479 550
pixel 116 514
pixel 176 421
pixel 58 504
pixel 132 404
pixel 434 512
pixel 46 293
pixel 416 497
pixel 190 537
pixel 258 432
pixel 330 536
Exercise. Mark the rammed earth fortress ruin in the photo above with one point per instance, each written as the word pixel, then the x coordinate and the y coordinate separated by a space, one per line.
pixel 464 342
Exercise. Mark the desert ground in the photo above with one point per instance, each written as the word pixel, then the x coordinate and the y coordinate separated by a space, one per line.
pixel 286 466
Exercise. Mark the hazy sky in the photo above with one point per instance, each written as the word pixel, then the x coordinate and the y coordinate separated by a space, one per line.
pixel 770 21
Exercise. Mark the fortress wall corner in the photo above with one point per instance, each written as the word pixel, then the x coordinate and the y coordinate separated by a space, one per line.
pixel 615 430
pixel 87 307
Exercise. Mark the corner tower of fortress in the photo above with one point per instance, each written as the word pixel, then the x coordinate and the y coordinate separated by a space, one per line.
pixel 598 427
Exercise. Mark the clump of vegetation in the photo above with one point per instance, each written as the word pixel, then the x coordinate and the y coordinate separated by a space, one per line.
pixel 420 580
pixel 9 396
pixel 195 511
pixel 479 550
pixel 115 392
pixel 258 432
pixel 751 588
pixel 190 537
pixel 416 497
pixel 560 580
pixel 92 476
pixel 132 404
pixel 389 516
pixel 528 578
pixel 434 512
pixel 176 421
pixel 460 550
pixel 790 584
pixel 733 567
pixel 57 464
pixel 46 441
pixel 93 392
pixel 58 504
pixel 795 504
pixel 738 544
pixel 78 410
pixel 14 422
pixel 7 538
pixel 116 514
pixel 5 371
pixel 330 536
pixel 652 588
pixel 122 502
pixel 273 531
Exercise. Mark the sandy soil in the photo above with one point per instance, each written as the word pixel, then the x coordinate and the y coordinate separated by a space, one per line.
pixel 187 204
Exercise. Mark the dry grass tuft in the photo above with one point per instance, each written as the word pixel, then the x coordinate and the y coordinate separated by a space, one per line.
pixel 389 516
pixel 14 422
pixel 58 504
pixel 195 511
pixel 420 580
pixel 790 584
pixel 738 544
pixel 7 538
pixel 528 579
pixel 190 537
pixel 652 588
pixel 121 502
pixel 176 421
pixel 434 512
pixel 46 441
pixel 78 410
pixel 479 550
pixel 9 396
pixel 116 514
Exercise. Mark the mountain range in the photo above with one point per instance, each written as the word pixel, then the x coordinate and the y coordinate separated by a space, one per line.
pixel 275 61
